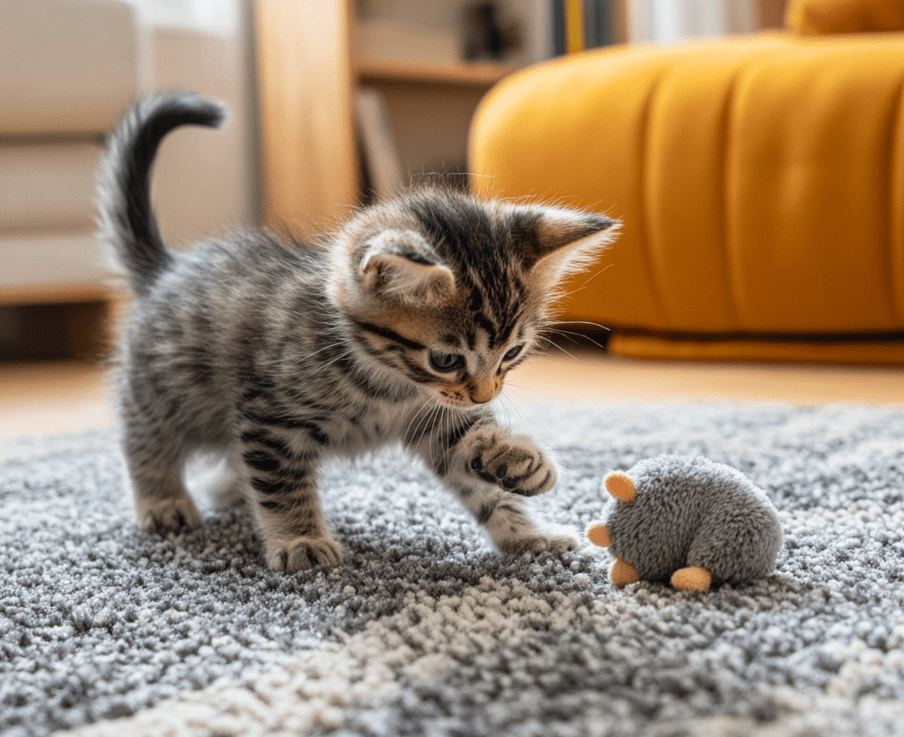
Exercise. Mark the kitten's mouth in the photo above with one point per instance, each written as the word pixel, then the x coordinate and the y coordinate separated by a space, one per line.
pixel 455 404
pixel 466 407
pixel 462 402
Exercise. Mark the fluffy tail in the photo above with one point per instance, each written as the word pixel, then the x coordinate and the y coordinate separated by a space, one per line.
pixel 127 223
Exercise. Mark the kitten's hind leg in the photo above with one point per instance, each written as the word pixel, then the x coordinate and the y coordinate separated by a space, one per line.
pixel 162 503
pixel 281 473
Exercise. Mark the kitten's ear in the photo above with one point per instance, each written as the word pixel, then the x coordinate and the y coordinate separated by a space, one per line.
pixel 401 264
pixel 565 241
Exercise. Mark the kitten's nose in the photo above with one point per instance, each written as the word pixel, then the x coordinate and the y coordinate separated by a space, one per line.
pixel 482 393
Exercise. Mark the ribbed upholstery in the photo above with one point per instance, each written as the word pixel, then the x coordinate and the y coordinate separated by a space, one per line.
pixel 760 180
pixel 814 17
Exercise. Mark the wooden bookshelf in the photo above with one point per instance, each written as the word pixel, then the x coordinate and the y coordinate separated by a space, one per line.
pixel 771 13
pixel 471 75
pixel 305 88
pixel 308 74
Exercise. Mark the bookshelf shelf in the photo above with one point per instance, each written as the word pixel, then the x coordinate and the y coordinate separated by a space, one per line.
pixel 89 291
pixel 472 75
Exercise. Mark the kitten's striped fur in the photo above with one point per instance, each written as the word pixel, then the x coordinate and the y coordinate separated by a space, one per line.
pixel 397 329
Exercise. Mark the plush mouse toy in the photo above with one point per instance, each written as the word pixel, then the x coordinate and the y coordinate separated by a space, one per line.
pixel 688 520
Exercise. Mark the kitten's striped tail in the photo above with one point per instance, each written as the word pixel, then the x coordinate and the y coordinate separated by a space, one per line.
pixel 127 223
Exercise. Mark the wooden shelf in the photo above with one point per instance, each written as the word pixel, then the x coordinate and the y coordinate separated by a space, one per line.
pixel 463 74
pixel 63 293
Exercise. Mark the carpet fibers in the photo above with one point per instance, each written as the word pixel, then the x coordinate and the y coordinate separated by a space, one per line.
pixel 424 630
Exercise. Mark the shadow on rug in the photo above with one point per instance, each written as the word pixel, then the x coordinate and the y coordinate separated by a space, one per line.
pixel 108 631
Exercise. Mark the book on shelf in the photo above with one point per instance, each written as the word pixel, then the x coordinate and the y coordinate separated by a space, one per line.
pixel 382 164
pixel 510 33
pixel 579 25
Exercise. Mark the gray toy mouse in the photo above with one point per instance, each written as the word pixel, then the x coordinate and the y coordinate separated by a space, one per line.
pixel 689 521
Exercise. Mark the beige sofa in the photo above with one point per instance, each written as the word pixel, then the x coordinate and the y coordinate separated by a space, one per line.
pixel 70 68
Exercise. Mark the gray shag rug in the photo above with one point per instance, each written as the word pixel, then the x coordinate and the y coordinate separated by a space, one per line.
pixel 105 630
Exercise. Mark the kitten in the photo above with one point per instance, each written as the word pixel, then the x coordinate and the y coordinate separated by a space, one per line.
pixel 399 328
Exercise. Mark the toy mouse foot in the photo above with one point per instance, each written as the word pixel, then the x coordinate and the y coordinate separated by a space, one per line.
pixel 693 578
pixel 598 534
pixel 622 573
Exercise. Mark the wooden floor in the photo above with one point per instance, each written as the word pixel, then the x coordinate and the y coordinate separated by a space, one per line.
pixel 51 398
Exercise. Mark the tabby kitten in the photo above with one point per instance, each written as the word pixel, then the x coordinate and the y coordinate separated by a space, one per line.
pixel 399 328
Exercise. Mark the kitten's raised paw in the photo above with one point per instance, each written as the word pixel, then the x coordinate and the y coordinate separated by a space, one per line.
pixel 516 465
pixel 303 553
pixel 169 515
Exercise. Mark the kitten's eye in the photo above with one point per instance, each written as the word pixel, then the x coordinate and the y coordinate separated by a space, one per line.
pixel 512 352
pixel 446 362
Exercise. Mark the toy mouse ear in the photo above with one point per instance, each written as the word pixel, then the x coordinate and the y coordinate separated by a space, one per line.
pixel 620 486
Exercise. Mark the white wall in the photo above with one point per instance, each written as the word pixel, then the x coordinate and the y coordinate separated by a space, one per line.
pixel 673 20
pixel 205 182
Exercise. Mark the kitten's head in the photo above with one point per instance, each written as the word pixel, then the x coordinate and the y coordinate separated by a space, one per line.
pixel 451 291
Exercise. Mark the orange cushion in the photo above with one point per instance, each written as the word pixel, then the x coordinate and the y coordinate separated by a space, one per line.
pixel 875 352
pixel 760 179
pixel 813 17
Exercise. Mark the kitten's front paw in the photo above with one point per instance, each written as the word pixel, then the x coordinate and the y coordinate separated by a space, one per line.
pixel 556 541
pixel 303 553
pixel 169 515
pixel 516 465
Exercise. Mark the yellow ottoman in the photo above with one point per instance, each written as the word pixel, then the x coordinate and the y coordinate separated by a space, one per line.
pixel 760 180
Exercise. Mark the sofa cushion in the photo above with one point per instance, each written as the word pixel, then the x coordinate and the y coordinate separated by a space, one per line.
pixel 760 180
pixel 47 185
pixel 43 259
pixel 69 66
pixel 813 17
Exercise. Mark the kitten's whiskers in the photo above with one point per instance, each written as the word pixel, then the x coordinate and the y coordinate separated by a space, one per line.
pixel 341 356
pixel 585 284
pixel 304 359
pixel 580 322
pixel 429 422
pixel 556 345
pixel 518 413
pixel 529 388
pixel 415 416
pixel 570 335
